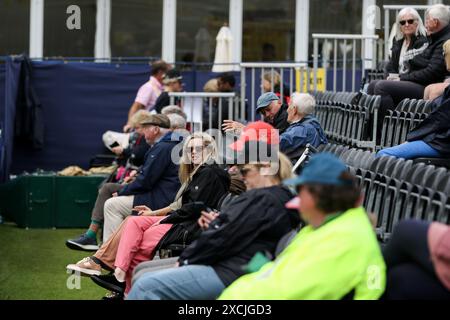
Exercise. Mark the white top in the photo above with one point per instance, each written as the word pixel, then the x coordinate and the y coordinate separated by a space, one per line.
pixel 401 65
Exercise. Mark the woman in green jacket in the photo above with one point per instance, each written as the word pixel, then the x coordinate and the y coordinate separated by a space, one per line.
pixel 336 256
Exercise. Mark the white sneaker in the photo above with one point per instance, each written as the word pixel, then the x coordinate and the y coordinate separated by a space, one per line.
pixel 86 267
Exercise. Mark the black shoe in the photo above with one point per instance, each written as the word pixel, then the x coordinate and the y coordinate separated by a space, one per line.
pixel 109 281
pixel 113 296
pixel 83 243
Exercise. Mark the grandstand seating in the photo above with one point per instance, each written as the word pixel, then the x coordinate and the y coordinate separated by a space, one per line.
pixel 349 119
pixel 397 189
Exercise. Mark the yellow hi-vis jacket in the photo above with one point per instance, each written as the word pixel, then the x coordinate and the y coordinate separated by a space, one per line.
pixel 324 263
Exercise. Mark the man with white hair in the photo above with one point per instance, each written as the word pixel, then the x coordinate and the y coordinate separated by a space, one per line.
pixel 303 127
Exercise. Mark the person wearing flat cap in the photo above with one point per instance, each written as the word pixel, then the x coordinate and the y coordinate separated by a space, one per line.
pixel 336 256
pixel 172 83
pixel 155 185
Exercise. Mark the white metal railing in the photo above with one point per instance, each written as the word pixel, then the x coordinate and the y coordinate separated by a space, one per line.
pixel 388 9
pixel 194 104
pixel 288 74
pixel 343 39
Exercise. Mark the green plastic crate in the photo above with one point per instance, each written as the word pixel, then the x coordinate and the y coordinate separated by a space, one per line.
pixel 47 200
pixel 74 199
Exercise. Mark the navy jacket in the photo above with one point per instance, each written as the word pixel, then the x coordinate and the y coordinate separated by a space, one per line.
pixel 299 134
pixel 157 182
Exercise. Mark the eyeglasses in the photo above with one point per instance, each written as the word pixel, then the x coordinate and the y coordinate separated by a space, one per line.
pixel 410 21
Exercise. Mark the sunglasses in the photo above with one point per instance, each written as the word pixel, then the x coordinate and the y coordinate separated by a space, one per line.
pixel 197 149
pixel 410 21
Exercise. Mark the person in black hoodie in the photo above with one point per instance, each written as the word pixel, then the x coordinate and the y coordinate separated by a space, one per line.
pixel 423 69
pixel 251 224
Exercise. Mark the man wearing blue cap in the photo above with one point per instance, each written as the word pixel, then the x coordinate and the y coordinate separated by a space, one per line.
pixel 336 256
pixel 272 110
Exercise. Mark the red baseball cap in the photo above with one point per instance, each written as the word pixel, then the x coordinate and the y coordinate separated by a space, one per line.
pixel 258 131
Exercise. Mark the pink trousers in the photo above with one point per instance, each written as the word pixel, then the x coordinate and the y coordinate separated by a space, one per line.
pixel 140 236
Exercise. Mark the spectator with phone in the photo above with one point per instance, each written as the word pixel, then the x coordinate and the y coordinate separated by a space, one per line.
pixel 138 237
pixel 253 223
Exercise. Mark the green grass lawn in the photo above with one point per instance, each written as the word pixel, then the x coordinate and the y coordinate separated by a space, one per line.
pixel 33 265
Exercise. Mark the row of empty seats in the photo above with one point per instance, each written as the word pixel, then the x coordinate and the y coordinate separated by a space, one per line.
pixel 350 119
pixel 397 189
pixel 397 123
pixel 345 122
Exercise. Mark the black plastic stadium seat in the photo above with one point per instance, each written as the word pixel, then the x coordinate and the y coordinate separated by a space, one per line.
pixel 438 162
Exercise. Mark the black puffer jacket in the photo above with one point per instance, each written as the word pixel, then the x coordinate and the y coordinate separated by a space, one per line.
pixel 209 185
pixel 252 223
pixel 429 67
pixel 416 43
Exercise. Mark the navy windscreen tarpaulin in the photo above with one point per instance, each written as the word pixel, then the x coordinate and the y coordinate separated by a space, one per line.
pixel 9 81
pixel 3 169
pixel 80 102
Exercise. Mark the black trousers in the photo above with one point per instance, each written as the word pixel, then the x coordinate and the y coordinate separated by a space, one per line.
pixel 410 271
pixel 392 93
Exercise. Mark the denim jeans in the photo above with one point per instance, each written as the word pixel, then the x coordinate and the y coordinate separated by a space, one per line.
pixel 182 283
pixel 410 150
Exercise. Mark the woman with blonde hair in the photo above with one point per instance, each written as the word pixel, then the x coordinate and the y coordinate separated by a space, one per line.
pixel 140 236
pixel 271 82
pixel 251 225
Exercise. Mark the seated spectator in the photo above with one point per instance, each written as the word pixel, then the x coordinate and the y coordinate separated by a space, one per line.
pixel 429 139
pixel 177 125
pixel 335 257
pixel 251 224
pixel 436 90
pixel 418 261
pixel 272 111
pixel 138 237
pixel 303 127
pixel 272 83
pixel 410 40
pixel 133 156
pixel 155 186
pixel 425 68
pixel 149 92
pixel 172 83
pixel 172 109
pixel 211 85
